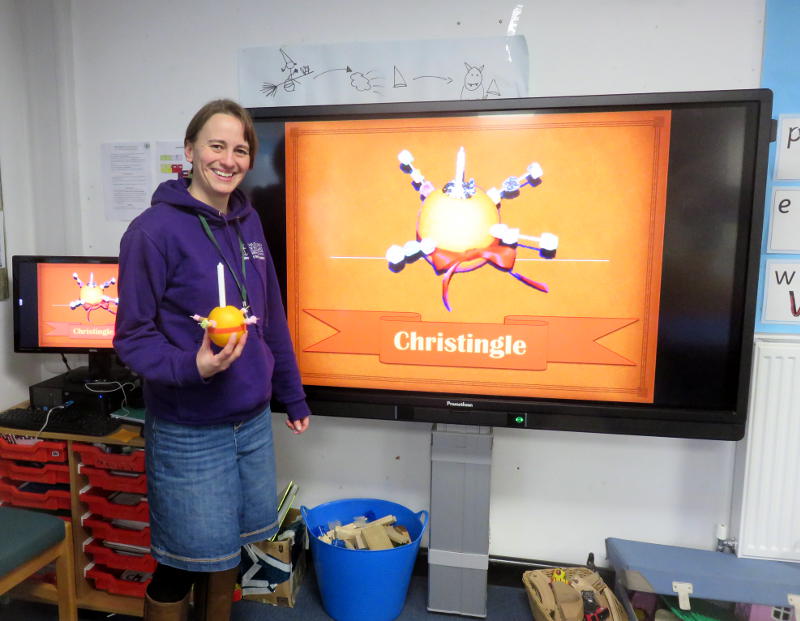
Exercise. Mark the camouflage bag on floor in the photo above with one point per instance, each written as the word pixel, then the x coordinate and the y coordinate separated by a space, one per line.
pixel 571 594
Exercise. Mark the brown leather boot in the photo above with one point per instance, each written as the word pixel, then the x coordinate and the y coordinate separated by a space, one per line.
pixel 166 611
pixel 213 595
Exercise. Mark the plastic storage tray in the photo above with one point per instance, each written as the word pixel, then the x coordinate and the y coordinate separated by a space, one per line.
pixel 96 457
pixel 51 473
pixel 103 529
pixel 106 479
pixel 113 581
pixel 38 450
pixel 116 560
pixel 34 495
pixel 102 503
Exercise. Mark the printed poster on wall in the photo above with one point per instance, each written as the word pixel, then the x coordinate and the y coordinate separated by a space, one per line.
pixel 127 178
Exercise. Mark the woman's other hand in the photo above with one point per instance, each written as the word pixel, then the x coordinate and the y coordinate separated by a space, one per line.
pixel 298 426
pixel 209 363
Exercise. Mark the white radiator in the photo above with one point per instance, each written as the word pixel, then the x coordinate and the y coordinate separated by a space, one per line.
pixel 767 485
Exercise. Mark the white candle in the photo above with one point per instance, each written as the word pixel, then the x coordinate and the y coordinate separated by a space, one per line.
pixel 458 188
pixel 221 284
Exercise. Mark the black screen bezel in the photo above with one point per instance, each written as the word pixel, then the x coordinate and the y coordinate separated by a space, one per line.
pixel 603 417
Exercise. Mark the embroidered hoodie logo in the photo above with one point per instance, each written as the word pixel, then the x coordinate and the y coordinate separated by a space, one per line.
pixel 257 250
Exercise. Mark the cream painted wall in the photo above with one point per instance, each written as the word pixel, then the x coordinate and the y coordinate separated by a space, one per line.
pixel 141 68
pixel 16 171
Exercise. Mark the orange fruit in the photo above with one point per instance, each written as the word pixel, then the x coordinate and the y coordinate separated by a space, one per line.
pixel 229 320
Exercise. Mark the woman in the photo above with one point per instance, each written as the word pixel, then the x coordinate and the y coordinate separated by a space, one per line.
pixel 210 462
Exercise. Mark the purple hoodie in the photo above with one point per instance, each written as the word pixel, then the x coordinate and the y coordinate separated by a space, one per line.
pixel 168 272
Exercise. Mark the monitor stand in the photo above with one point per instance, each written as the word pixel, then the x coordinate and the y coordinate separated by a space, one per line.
pixel 458 544
pixel 103 367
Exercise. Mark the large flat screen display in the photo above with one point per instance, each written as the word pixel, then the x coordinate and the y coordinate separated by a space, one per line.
pixel 583 263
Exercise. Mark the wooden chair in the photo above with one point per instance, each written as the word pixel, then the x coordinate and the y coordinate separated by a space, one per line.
pixel 29 540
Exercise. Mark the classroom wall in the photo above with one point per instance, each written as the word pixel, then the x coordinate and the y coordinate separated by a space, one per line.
pixel 138 70
pixel 16 371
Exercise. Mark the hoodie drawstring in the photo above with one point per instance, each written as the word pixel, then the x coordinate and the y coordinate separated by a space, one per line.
pixel 264 321
pixel 242 247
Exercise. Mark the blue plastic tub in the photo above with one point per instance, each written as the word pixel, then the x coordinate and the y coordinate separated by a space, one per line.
pixel 363 585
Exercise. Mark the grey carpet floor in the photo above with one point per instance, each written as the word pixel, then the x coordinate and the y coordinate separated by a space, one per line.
pixel 504 603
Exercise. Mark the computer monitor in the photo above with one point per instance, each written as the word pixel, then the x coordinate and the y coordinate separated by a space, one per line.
pixel 68 304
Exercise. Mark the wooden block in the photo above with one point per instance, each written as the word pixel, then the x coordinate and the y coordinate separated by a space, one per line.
pixel 353 526
pixel 341 533
pixel 398 535
pixel 386 519
pixel 359 540
pixel 376 538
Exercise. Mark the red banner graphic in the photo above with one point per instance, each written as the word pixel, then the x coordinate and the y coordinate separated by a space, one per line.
pixel 520 342
pixel 77 330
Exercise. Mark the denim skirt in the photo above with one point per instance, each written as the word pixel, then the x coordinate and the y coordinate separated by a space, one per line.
pixel 211 489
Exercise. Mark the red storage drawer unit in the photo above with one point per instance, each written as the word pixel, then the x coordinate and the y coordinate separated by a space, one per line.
pixel 108 529
pixel 131 460
pixel 120 505
pixel 51 473
pixel 35 495
pixel 121 582
pixel 104 555
pixel 29 449
pixel 115 480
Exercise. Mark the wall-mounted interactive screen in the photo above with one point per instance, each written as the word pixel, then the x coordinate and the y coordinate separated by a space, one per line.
pixel 66 304
pixel 573 263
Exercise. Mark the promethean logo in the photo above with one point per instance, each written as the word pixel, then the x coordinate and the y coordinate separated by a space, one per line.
pixel 460 404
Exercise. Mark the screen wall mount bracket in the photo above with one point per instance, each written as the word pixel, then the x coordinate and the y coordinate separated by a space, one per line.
pixel 458 547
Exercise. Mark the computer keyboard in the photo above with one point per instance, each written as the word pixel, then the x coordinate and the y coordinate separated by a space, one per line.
pixel 86 423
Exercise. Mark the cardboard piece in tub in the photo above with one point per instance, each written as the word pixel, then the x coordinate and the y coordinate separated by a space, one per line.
pixel 272 571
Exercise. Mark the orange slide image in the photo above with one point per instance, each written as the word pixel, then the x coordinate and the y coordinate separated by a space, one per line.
pixel 478 312
pixel 77 306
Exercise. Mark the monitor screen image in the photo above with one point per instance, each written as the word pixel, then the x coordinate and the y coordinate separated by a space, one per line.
pixel 64 303
pixel 73 312
pixel 569 263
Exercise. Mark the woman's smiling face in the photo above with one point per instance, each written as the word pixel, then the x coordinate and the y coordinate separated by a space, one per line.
pixel 220 158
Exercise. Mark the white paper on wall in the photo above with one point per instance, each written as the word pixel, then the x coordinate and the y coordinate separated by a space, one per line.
pixel 784 222
pixel 127 178
pixel 787 149
pixel 374 72
pixel 781 292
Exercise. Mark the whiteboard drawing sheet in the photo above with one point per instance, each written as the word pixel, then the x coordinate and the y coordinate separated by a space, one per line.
pixel 375 72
